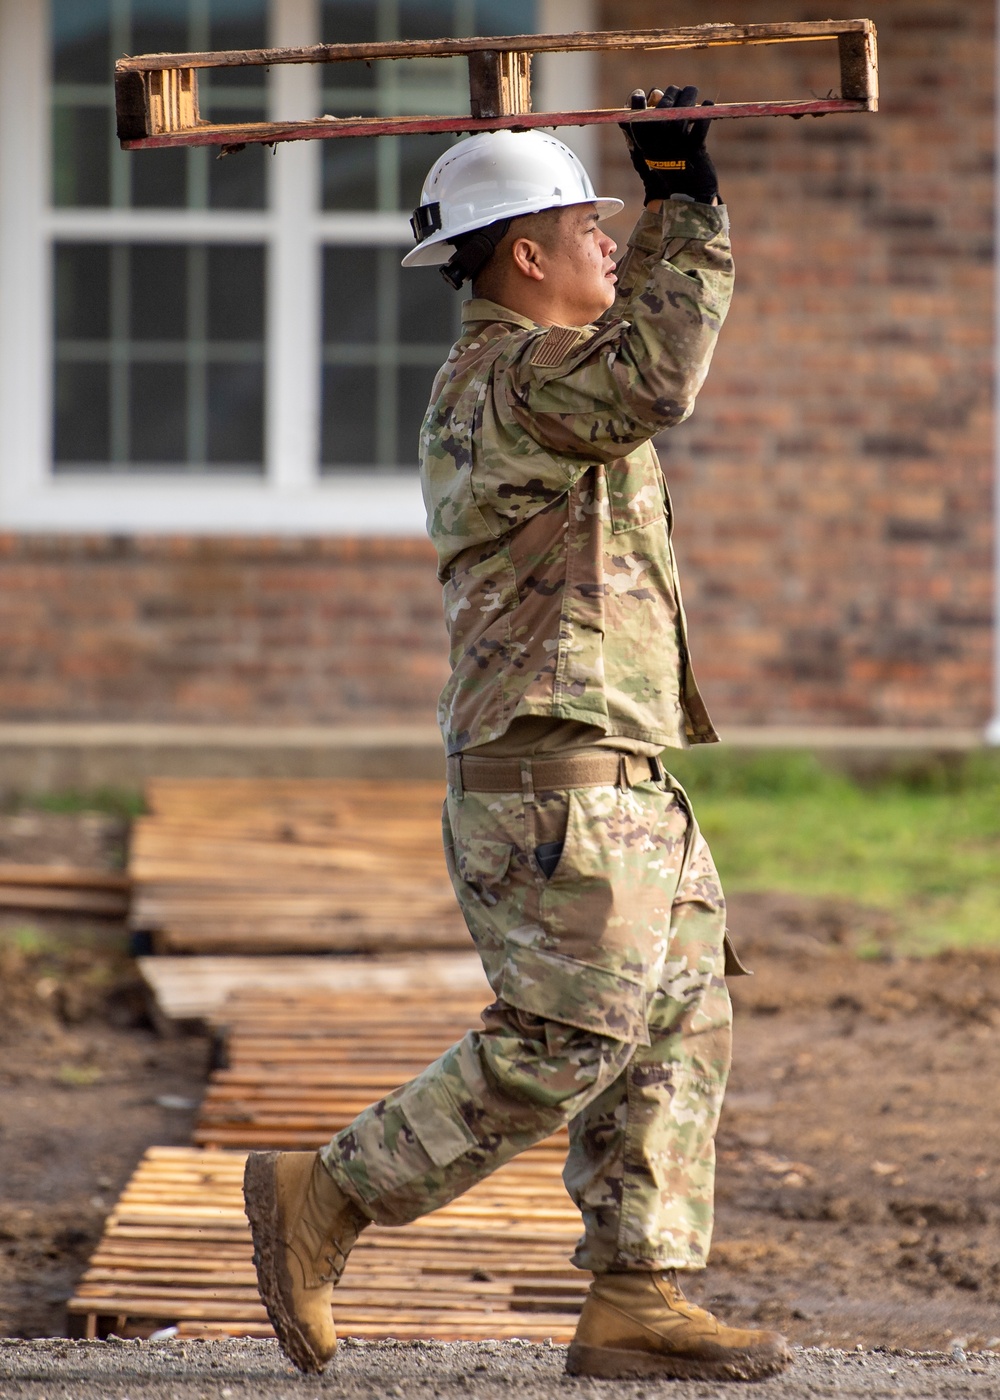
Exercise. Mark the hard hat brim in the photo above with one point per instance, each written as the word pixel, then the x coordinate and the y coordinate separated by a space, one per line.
pixel 439 247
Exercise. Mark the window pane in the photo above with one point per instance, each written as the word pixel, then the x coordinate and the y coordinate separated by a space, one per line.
pixel 349 174
pixel 239 180
pixel 158 413
pixel 158 291
pixel 349 404
pixel 425 19
pixel 236 293
pixel 81 51
pixel 81 154
pixel 83 291
pixel 427 308
pixel 159 26
pixel 159 355
pixel 89 169
pixel 159 178
pixel 349 22
pixel 350 282
pixel 385 332
pixel 506 17
pixel 236 413
pixel 418 154
pixel 82 429
pixel 237 24
pixel 412 396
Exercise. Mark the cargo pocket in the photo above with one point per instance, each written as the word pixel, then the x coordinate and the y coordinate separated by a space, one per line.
pixel 575 993
pixel 435 1119
pixel 482 868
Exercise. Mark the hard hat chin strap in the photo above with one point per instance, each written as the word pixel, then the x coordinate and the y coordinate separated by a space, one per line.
pixel 472 252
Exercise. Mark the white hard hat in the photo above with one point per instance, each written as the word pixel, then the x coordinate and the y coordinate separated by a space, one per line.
pixel 496 175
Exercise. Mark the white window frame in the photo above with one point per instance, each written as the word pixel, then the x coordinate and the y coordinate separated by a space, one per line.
pixel 292 496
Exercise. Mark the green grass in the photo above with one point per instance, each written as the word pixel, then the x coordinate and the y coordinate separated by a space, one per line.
pixel 919 838
pixel 116 802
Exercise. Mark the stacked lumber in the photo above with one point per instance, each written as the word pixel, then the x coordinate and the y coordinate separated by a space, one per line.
pixel 194 991
pixel 64 889
pixel 283 866
pixel 177 1251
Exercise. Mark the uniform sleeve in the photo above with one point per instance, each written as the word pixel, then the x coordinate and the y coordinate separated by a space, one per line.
pixel 602 391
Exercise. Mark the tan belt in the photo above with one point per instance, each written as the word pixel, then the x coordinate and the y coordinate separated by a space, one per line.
pixel 592 768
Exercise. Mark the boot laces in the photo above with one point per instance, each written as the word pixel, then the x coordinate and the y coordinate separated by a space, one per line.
pixel 335 1261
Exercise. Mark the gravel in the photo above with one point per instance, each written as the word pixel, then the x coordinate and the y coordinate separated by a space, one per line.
pixel 254 1370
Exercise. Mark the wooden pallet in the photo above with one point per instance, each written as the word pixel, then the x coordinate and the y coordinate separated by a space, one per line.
pixel 157 94
pixel 64 889
pixel 191 992
pixel 176 1251
pixel 278 866
pixel 300 1067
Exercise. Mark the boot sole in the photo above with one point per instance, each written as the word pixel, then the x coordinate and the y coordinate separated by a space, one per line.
pixel 612 1364
pixel 260 1200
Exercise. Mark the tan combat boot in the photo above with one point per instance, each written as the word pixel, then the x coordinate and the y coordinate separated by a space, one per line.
pixel 303 1229
pixel 640 1324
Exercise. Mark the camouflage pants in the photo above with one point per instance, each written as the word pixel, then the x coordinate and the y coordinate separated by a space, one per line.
pixel 612 1016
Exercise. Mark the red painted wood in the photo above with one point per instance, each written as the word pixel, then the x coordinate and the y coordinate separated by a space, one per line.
pixel 269 133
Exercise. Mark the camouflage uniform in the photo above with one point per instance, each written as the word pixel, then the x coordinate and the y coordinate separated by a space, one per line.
pixel 546 503
pixel 552 523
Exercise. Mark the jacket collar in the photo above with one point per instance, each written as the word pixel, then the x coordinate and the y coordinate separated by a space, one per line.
pixel 480 309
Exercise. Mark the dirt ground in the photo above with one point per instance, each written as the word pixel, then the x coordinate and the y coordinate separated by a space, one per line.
pixel 858 1183
pixel 85 1083
pixel 858 1187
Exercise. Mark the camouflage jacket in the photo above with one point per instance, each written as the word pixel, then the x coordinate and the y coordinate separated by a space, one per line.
pixel 547 506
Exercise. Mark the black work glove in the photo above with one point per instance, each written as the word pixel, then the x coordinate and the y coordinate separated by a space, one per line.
pixel 670 156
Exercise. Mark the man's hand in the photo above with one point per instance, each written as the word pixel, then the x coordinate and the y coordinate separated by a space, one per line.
pixel 670 156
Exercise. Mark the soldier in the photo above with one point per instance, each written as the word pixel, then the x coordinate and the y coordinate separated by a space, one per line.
pixel 590 894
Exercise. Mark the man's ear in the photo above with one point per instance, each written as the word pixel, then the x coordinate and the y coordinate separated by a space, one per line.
pixel 526 256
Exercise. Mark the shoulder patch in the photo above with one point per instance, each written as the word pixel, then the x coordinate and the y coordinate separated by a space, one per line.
pixel 553 347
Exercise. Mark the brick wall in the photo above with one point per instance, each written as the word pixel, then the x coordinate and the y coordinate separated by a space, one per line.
pixel 251 631
pixel 833 488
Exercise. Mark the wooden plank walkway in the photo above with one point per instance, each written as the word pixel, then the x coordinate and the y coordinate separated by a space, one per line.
pixel 293 866
pixel 300 1067
pixel 176 1249
pixel 193 990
